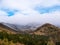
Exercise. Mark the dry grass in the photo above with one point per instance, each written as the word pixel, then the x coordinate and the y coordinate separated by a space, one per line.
pixel 7 30
pixel 6 42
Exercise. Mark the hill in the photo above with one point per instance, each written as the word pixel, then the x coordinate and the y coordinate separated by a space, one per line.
pixel 45 29
pixel 5 28
pixel 48 30
pixel 47 34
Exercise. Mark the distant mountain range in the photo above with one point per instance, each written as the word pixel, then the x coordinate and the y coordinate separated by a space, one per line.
pixel 19 28
pixel 45 29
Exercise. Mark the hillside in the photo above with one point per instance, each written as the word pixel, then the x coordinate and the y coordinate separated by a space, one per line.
pixel 47 34
pixel 4 28
pixel 48 30
pixel 45 29
pixel 21 39
pixel 9 36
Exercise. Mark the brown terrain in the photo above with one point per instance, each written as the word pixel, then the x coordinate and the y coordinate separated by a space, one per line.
pixel 4 28
pixel 46 29
pixel 7 29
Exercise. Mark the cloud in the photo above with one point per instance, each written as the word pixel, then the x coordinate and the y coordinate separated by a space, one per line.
pixel 10 12
pixel 3 16
pixel 29 11
pixel 53 18
pixel 43 10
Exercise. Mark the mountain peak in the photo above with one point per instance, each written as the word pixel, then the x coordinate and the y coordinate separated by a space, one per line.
pixel 45 29
pixel 47 24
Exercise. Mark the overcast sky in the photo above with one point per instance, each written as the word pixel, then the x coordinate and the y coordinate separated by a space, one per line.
pixel 30 11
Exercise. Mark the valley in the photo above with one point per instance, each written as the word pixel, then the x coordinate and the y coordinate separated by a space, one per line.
pixel 47 34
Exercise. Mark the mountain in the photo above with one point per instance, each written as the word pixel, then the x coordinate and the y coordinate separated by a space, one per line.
pixel 4 27
pixel 45 29
pixel 19 28
pixel 48 30
pixel 27 27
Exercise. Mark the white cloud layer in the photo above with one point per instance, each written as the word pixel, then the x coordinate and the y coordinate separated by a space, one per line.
pixel 27 14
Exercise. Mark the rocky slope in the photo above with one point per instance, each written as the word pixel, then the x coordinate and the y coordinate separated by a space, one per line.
pixel 48 30
pixel 5 28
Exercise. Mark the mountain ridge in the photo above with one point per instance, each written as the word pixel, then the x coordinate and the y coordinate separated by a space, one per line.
pixel 45 29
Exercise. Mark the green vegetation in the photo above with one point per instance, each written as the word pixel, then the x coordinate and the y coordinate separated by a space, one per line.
pixel 26 39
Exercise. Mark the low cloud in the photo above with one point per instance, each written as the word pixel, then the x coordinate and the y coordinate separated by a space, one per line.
pixel 23 11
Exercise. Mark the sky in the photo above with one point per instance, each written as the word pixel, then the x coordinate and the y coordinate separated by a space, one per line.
pixel 30 11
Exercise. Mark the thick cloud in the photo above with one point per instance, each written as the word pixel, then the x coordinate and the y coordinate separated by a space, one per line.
pixel 23 11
